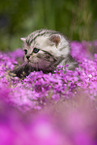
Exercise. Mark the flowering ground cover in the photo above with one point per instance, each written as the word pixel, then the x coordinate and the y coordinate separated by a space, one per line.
pixel 50 109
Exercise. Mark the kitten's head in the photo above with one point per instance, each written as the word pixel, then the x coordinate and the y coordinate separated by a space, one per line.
pixel 45 49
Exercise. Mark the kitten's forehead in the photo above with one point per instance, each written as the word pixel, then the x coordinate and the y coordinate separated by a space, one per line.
pixel 38 34
pixel 41 41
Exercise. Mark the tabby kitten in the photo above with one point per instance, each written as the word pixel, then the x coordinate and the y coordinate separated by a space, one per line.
pixel 45 50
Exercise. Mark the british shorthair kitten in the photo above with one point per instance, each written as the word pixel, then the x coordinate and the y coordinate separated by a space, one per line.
pixel 45 50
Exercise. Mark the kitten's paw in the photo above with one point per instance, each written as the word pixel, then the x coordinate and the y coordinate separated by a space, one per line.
pixel 12 74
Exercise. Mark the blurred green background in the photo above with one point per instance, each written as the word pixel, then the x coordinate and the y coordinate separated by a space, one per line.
pixel 77 19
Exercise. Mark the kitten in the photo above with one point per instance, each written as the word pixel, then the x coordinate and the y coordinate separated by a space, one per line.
pixel 45 50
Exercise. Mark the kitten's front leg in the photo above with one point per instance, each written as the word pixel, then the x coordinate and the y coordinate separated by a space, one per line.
pixel 22 71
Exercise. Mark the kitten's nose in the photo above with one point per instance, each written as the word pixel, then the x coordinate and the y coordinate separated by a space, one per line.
pixel 28 56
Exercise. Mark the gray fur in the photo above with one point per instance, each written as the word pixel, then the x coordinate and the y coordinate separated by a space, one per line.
pixel 51 52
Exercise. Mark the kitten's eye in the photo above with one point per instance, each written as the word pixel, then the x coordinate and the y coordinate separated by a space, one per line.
pixel 36 50
pixel 25 51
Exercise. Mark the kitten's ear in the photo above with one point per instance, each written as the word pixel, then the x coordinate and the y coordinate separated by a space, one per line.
pixel 23 39
pixel 55 38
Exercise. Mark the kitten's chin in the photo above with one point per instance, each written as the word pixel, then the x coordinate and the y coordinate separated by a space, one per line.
pixel 42 66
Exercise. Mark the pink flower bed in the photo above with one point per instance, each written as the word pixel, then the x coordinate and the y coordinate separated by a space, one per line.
pixel 22 100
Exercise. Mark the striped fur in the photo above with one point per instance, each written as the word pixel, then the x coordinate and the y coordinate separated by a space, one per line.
pixel 53 50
